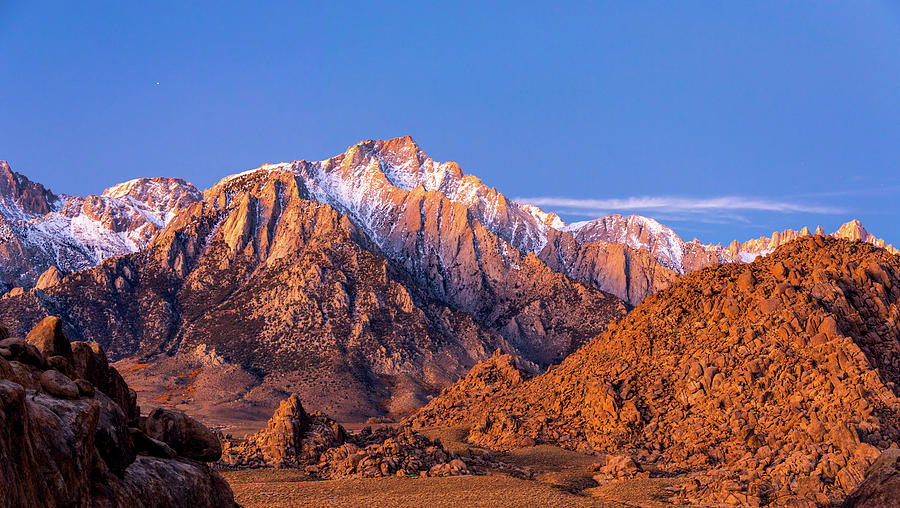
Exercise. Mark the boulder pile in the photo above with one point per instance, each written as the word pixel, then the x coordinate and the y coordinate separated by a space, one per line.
pixel 292 438
pixel 458 403
pixel 323 449
pixel 71 433
pixel 772 382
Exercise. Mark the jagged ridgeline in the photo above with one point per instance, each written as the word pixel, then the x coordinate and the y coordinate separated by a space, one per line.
pixel 44 236
pixel 778 379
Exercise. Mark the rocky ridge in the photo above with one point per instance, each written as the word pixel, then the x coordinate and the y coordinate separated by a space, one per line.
pixel 418 211
pixel 374 183
pixel 852 230
pixel 377 182
pixel 775 381
pixel 73 435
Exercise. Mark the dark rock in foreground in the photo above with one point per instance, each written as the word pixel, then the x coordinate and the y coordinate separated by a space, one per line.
pixel 71 435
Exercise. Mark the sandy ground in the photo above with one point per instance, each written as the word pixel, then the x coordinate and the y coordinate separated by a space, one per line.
pixel 278 488
pixel 560 478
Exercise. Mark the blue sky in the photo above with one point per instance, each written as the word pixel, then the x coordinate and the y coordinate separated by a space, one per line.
pixel 723 120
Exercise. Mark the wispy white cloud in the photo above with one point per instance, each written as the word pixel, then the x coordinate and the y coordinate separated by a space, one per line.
pixel 676 205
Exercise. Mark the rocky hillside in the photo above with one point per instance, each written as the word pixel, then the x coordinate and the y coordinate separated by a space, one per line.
pixel 259 291
pixel 73 436
pixel 777 379
pixel 41 231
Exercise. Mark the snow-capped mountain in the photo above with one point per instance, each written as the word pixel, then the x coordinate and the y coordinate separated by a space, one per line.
pixel 378 184
pixel 294 295
pixel 40 230
pixel 636 232
pixel 378 270
pixel 631 257
pixel 391 189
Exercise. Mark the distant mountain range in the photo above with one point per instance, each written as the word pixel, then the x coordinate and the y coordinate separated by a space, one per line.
pixel 378 271
pixel 40 230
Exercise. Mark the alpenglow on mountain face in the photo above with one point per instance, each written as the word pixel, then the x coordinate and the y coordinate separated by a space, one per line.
pixel 630 257
pixel 378 270
pixel 259 290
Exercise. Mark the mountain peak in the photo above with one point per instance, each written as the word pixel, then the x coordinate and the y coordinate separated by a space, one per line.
pixel 548 218
pixel 72 233
pixel 20 197
pixel 852 230
pixel 402 143
pixel 401 147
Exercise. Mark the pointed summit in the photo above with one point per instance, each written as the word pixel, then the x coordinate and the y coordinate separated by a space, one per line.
pixel 20 197
pixel 852 230
pixel 403 147
pixel 403 144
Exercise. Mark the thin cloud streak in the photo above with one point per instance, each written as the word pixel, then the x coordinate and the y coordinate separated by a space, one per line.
pixel 704 218
pixel 674 204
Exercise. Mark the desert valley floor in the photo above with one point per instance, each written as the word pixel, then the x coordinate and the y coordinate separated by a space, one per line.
pixel 556 477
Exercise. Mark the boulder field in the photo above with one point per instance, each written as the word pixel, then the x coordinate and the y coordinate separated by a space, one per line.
pixel 774 382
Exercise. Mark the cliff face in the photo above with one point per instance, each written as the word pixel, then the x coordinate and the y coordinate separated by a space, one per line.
pixel 631 274
pixel 290 295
